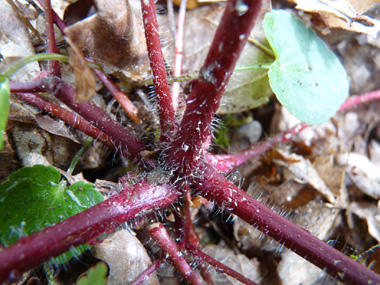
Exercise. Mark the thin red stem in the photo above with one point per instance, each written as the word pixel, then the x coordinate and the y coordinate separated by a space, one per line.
pixel 227 162
pixel 226 195
pixel 84 227
pixel 220 267
pixel 120 97
pixel 129 144
pixel 359 99
pixel 68 117
pixel 206 91
pixel 160 235
pixel 168 120
pixel 51 46
pixel 145 275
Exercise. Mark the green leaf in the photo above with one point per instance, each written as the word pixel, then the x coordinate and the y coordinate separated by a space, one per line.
pixel 34 198
pixel 307 78
pixel 96 275
pixel 4 107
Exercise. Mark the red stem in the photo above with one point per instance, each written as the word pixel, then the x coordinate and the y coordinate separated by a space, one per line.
pixel 130 146
pixel 206 91
pixel 168 120
pixel 51 46
pixel 217 188
pixel 68 117
pixel 160 235
pixel 84 227
pixel 356 100
pixel 120 97
pixel 227 162
pixel 220 267
pixel 145 275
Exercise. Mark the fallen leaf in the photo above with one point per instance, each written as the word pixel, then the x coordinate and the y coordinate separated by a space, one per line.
pixel 345 14
pixel 114 40
pixel 303 171
pixel 126 258
pixel 370 213
pixel 84 77
pixel 362 172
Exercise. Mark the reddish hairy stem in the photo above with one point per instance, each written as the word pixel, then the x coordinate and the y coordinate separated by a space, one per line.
pixel 168 120
pixel 84 227
pixel 145 275
pixel 208 88
pixel 220 267
pixel 120 97
pixel 227 162
pixel 68 117
pixel 130 146
pixel 51 46
pixel 160 235
pixel 39 85
pixel 226 195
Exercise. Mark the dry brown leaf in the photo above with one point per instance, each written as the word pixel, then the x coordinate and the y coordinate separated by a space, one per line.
pixel 302 170
pixel 126 257
pixel 113 37
pixel 371 214
pixel 362 172
pixel 345 14
pixel 84 77
pixel 238 262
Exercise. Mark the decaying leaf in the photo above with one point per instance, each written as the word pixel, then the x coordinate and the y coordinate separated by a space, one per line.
pixel 345 14
pixel 362 172
pixel 126 258
pixel 301 169
pixel 84 77
pixel 239 262
pixel 113 37
pixel 370 213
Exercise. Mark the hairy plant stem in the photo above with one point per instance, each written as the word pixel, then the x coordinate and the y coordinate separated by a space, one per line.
pixel 53 66
pixel 226 195
pixel 207 90
pixel 130 146
pixel 82 228
pixel 168 121
pixel 145 275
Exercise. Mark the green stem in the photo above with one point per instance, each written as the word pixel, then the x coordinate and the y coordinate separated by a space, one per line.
pixel 79 154
pixel 253 66
pixel 42 56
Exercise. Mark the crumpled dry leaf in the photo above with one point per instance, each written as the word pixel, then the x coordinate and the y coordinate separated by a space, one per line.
pixel 345 14
pixel 362 172
pixel 239 262
pixel 113 37
pixel 84 77
pixel 126 257
pixel 15 43
pixel 302 170
pixel 370 213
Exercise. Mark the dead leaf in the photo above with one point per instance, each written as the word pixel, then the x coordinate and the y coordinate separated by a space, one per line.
pixel 344 14
pixel 303 171
pixel 238 262
pixel 371 214
pixel 84 77
pixel 362 172
pixel 126 257
pixel 114 40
